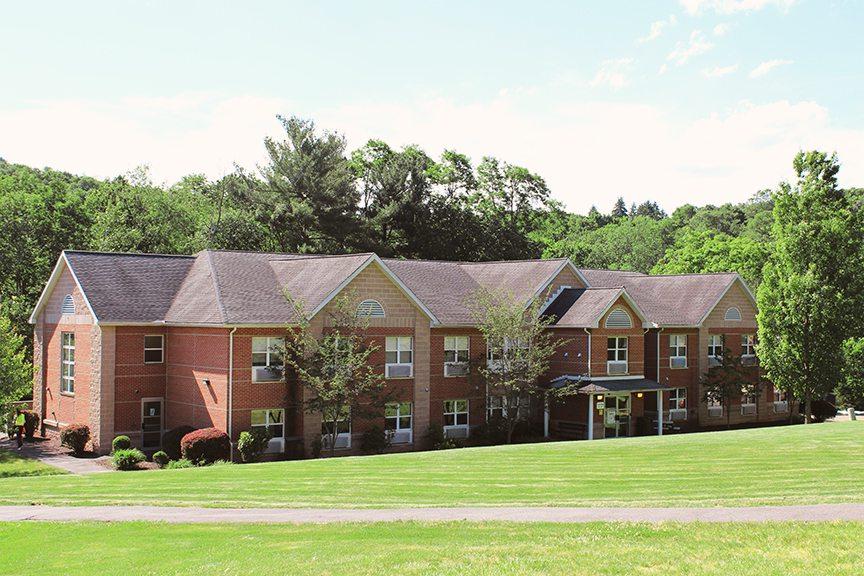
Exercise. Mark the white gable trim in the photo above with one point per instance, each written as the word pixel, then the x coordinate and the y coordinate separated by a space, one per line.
pixel 622 293
pixel 62 262
pixel 539 292
pixel 373 258
pixel 747 291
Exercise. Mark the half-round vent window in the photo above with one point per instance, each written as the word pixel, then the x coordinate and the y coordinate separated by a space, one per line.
pixel 371 308
pixel 68 306
pixel 618 318
pixel 732 314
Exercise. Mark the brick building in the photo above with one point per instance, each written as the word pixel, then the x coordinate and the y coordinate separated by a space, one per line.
pixel 137 344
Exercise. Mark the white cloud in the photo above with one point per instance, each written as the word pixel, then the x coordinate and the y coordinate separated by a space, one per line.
pixel 733 6
pixel 719 71
pixel 766 67
pixel 657 29
pixel 697 44
pixel 613 73
pixel 721 29
pixel 590 152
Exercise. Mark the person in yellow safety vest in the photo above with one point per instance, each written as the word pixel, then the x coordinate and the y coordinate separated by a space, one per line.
pixel 19 426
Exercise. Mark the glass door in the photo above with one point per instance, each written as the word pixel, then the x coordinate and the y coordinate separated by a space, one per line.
pixel 151 422
pixel 617 416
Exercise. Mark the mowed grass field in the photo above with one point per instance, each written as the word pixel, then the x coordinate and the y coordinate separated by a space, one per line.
pixel 768 466
pixel 11 464
pixel 462 549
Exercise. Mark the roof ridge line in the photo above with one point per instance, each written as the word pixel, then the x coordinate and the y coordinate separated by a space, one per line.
pixel 141 254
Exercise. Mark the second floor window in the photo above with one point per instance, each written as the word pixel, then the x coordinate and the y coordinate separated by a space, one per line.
pixel 267 362
pixel 677 350
pixel 616 355
pixel 715 346
pixel 455 355
pixel 67 363
pixel 748 345
pixel 154 349
pixel 399 357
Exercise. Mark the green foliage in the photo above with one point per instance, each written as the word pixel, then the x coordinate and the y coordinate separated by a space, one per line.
pixel 727 380
pixel 850 390
pixel 171 440
pixel 16 373
pixel 205 446
pixel 809 300
pixel 75 437
pixel 436 438
pixel 374 440
pixel 31 423
pixel 127 458
pixel 161 459
pixel 252 444
pixel 179 464
pixel 121 443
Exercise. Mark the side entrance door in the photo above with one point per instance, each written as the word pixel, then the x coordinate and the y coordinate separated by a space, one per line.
pixel 151 422
pixel 617 416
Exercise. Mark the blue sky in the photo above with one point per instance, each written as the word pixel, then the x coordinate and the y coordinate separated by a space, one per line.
pixel 700 101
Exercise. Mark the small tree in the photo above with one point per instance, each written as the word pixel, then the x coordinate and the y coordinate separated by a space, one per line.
pixel 520 347
pixel 725 381
pixel 334 365
pixel 16 374
pixel 850 390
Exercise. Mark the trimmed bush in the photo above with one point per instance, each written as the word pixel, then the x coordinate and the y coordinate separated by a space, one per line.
pixel 121 443
pixel 252 444
pixel 177 464
pixel 161 459
pixel 171 440
pixel 75 436
pixel 127 458
pixel 374 440
pixel 31 423
pixel 205 446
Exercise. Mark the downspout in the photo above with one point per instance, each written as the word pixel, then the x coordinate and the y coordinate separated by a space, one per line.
pixel 231 390
pixel 588 332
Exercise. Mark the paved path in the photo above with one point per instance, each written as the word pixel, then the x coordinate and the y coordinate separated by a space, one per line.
pixel 814 513
pixel 47 452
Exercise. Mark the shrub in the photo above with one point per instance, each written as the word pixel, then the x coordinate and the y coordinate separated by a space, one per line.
pixel 821 410
pixel 177 464
pixel 205 446
pixel 127 458
pixel 75 436
pixel 31 423
pixel 437 439
pixel 374 440
pixel 316 447
pixel 252 444
pixel 121 443
pixel 171 440
pixel 160 458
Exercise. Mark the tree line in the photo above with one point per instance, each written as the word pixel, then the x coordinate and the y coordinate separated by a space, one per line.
pixel 314 195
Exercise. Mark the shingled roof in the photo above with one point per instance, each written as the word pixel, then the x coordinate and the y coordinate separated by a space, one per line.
pixel 228 287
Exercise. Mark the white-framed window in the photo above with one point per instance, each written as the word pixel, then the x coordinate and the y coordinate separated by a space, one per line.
pixel 733 314
pixel 343 428
pixel 616 355
pixel 677 350
pixel 456 355
pixel 781 401
pixel 399 357
pixel 748 345
pixel 370 308
pixel 748 403
pixel 496 407
pixel 619 318
pixel 715 407
pixel 268 364
pixel 509 349
pixel 67 363
pixel 456 418
pixel 154 349
pixel 678 399
pixel 273 421
pixel 399 421
pixel 68 306
pixel 715 349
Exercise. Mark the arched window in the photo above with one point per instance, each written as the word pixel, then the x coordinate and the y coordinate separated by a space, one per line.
pixel 619 318
pixel 733 314
pixel 68 306
pixel 371 308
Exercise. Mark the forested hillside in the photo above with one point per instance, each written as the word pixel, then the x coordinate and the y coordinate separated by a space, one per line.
pixel 315 195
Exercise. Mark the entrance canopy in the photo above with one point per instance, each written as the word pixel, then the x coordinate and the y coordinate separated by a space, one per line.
pixel 603 386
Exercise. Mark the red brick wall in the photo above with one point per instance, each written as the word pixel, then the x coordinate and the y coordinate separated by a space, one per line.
pixel 471 387
pixel 62 408
pixel 133 379
pixel 680 377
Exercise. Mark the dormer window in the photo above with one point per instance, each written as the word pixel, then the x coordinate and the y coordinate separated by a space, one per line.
pixel 732 315
pixel 371 309
pixel 619 318
pixel 68 306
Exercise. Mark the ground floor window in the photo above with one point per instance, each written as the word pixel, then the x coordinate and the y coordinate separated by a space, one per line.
pixel 715 407
pixel 781 401
pixel 456 418
pixel 748 403
pixel 678 399
pixel 399 421
pixel 343 427
pixel 271 421
pixel 496 407
pixel 67 363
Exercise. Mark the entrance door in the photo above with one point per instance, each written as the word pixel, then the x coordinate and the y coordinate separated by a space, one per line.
pixel 617 416
pixel 151 422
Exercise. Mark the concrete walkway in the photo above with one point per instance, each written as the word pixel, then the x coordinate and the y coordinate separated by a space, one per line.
pixel 48 452
pixel 814 513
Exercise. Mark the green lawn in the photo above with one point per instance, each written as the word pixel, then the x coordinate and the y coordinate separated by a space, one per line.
pixel 461 549
pixel 11 464
pixel 786 465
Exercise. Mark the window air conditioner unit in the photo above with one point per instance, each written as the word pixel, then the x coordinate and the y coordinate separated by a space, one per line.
pixel 748 409
pixel 781 406
pixel 677 362
pixel 715 411
pixel 400 437
pixel 342 441
pixel 267 374
pixel 456 369
pixel 677 414
pixel 456 431
pixel 399 370
pixel 616 367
